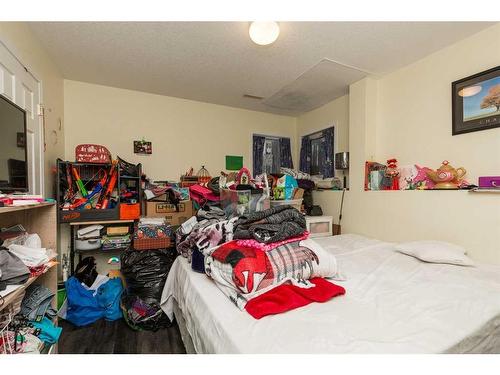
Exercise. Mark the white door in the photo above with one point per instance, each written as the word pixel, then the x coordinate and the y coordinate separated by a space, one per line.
pixel 21 87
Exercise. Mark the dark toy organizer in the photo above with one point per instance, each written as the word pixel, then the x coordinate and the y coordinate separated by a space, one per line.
pixel 89 172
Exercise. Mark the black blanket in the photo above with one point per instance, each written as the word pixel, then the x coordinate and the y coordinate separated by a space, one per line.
pixel 272 225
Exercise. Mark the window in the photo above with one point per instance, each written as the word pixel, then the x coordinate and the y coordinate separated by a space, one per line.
pixel 270 154
pixel 271 160
pixel 317 153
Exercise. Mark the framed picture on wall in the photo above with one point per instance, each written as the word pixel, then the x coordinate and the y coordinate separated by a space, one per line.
pixel 476 102
pixel 143 147
pixel 21 140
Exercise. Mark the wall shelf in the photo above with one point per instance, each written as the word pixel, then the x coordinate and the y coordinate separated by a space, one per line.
pixel 485 191
pixel 9 298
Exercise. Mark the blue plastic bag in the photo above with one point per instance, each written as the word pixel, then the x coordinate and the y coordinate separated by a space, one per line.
pixel 84 308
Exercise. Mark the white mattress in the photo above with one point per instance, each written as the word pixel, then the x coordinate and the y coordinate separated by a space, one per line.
pixel 393 304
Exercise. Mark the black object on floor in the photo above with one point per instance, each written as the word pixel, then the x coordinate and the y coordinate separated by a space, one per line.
pixel 103 337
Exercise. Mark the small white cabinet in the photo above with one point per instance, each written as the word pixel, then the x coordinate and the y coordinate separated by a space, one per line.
pixel 319 226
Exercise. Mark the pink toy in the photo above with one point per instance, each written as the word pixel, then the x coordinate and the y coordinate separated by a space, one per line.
pixel 422 177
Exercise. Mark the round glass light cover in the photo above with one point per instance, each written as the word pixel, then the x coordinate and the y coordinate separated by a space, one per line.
pixel 264 33
pixel 470 91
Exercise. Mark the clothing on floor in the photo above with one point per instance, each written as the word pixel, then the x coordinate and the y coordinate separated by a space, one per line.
pixel 143 315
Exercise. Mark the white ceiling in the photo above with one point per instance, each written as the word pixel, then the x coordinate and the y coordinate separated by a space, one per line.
pixel 216 62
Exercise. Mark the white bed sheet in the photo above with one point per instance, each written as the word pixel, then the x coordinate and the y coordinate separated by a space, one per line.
pixel 393 304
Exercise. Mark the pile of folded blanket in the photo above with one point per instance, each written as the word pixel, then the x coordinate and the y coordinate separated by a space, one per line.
pixel 263 261
pixel 272 225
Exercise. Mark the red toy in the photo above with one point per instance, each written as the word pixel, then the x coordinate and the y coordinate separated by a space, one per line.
pixel 104 198
pixel 89 153
pixel 392 172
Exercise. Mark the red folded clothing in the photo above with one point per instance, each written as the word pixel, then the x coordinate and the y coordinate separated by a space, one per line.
pixel 287 297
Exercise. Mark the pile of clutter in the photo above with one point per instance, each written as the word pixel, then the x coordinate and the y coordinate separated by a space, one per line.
pixel 27 327
pixel 145 267
pixel 262 261
pixel 27 324
pixel 91 296
pixel 25 250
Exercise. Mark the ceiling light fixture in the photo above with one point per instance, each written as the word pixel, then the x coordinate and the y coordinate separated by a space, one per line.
pixel 470 91
pixel 264 33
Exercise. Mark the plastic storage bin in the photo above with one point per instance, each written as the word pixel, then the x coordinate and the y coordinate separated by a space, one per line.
pixel 296 203
pixel 91 244
pixel 239 202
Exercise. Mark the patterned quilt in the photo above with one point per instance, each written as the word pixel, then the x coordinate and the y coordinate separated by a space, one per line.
pixel 246 273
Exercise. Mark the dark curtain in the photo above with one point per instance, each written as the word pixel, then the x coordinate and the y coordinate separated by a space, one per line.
pixel 258 153
pixel 328 166
pixel 285 153
pixel 305 155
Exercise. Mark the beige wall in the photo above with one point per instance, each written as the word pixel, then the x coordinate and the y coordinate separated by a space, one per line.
pixel 184 133
pixel 335 113
pixel 21 41
pixel 415 109
pixel 407 114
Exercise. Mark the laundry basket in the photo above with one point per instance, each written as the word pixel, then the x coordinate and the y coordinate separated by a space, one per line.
pixel 239 202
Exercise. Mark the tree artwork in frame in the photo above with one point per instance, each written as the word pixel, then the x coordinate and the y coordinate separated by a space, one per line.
pixel 476 102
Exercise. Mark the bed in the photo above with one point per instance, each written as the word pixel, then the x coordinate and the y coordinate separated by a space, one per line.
pixel 394 303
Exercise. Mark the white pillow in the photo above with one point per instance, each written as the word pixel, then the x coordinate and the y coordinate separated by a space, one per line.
pixel 436 252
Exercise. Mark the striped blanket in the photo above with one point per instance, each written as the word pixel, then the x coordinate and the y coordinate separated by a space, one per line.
pixel 280 279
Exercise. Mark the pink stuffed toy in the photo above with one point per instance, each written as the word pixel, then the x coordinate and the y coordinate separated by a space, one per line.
pixel 422 180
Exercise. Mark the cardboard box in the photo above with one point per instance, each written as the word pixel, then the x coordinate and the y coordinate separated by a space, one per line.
pixel 169 211
pixel 184 195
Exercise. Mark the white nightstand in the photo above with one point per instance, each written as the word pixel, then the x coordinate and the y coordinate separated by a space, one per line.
pixel 319 226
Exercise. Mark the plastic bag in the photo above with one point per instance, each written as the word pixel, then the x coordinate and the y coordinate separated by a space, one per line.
pixel 143 314
pixel 146 271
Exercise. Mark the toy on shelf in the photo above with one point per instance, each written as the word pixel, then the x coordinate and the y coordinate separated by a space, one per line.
pixel 188 179
pixel 104 199
pixel 422 181
pixel 407 174
pixel 375 176
pixel 79 182
pixel 89 153
pixel 244 176
pixel 447 177
pixel 203 175
pixel 392 172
